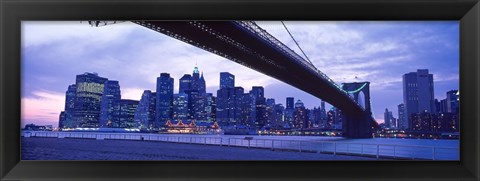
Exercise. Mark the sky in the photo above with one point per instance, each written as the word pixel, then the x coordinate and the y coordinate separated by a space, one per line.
pixel 380 52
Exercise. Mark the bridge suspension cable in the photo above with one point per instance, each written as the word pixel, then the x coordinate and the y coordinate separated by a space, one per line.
pixel 296 43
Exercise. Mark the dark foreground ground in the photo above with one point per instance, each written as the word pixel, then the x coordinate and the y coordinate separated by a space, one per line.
pixel 89 149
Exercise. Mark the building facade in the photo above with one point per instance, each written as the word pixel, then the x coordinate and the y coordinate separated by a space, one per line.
pixel 88 96
pixel 110 106
pixel 418 95
pixel 164 99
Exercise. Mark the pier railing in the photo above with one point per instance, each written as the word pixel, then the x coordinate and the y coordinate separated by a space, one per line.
pixel 378 151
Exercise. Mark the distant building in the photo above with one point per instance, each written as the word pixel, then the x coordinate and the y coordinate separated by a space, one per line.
pixel 259 109
pixel 402 119
pixel 88 96
pixel 164 99
pixel 441 122
pixel 66 117
pixel 390 121
pixel 110 106
pixel 270 111
pixel 339 119
pixel 211 108
pixel 180 106
pixel 300 115
pixel 127 113
pixel 452 101
pixel 331 117
pixel 33 127
pixel 418 93
pixel 185 83
pixel 198 82
pixel 227 80
pixel 145 112
pixel 279 116
pixel 289 112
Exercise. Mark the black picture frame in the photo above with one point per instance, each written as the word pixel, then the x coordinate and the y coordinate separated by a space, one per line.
pixel 12 12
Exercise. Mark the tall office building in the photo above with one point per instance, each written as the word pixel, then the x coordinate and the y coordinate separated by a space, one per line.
pixel 402 117
pixel 223 109
pixel 211 108
pixel 164 99
pixel 248 106
pixel 331 117
pixel 387 118
pixel 323 115
pixel 198 82
pixel 237 115
pixel 66 120
pixel 88 98
pixel 110 106
pixel 70 97
pixel 300 115
pixel 289 111
pixel 180 106
pixel 270 112
pixel 193 97
pixel 61 119
pixel 185 83
pixel 259 106
pixel 418 93
pixel 279 112
pixel 452 101
pixel 227 80
pixel 127 113
pixel 145 112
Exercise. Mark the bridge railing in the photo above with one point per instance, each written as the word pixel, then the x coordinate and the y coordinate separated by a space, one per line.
pixel 254 28
pixel 378 151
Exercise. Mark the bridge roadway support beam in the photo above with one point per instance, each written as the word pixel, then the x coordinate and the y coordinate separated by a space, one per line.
pixel 357 126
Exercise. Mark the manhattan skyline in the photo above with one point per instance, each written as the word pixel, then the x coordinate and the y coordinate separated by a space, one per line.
pixel 135 56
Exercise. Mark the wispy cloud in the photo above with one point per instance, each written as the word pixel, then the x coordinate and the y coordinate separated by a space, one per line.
pixel 41 106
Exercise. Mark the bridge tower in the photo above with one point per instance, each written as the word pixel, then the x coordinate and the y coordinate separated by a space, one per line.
pixel 358 126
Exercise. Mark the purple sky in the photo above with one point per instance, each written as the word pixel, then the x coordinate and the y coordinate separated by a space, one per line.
pixel 53 53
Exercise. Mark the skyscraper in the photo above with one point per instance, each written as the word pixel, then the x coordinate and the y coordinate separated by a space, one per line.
pixel 211 108
pixel 164 99
pixel 259 106
pixel 331 117
pixel 289 111
pixel 198 82
pixel 452 101
pixel 279 112
pixel 66 120
pixel 300 115
pixel 180 106
pixel 290 101
pixel 127 113
pixel 387 118
pixel 223 108
pixel 227 80
pixel 202 87
pixel 418 93
pixel 145 112
pixel 402 119
pixel 110 106
pixel 185 83
pixel 70 97
pixel 88 100
pixel 323 115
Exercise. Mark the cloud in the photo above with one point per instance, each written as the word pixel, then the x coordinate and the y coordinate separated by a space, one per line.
pixel 41 106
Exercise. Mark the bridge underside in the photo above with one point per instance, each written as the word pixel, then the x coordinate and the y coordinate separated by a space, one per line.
pixel 357 127
pixel 232 41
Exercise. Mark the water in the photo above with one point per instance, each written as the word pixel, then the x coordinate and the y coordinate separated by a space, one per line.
pixel 396 148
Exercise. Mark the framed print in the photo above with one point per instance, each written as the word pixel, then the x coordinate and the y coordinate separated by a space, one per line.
pixel 270 90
